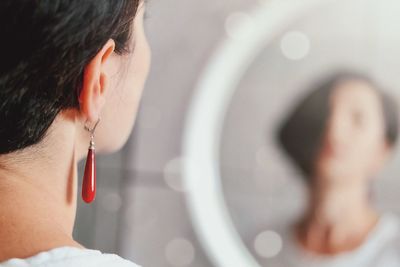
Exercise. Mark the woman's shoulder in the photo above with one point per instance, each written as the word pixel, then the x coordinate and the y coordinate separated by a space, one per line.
pixel 70 256
pixel 379 249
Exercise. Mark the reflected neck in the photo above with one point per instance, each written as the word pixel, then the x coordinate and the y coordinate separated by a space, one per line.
pixel 339 217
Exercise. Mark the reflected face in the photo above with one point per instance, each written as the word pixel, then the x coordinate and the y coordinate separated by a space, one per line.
pixel 130 72
pixel 354 143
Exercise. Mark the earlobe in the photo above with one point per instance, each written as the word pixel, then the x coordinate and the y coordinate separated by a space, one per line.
pixel 95 83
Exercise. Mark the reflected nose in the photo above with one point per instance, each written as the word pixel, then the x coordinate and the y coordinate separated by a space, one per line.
pixel 335 137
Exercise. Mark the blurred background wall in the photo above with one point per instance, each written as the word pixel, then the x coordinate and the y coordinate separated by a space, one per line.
pixel 140 210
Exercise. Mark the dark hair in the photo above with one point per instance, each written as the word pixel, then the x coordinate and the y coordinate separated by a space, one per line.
pixel 301 133
pixel 46 45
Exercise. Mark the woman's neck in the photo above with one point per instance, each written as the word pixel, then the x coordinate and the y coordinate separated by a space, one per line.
pixel 38 192
pixel 339 217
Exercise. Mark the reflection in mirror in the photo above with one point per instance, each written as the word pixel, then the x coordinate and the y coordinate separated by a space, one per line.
pixel 283 97
pixel 323 94
pixel 340 136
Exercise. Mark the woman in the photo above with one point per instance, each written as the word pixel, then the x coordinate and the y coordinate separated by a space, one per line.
pixel 340 136
pixel 65 65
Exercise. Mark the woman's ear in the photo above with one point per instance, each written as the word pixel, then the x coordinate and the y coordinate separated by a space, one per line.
pixel 95 83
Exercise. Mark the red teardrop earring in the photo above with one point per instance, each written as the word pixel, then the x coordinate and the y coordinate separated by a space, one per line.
pixel 89 177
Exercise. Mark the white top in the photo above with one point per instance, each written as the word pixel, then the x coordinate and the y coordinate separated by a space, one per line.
pixel 70 257
pixel 382 248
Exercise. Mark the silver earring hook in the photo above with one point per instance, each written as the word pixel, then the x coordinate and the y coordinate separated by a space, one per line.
pixel 92 130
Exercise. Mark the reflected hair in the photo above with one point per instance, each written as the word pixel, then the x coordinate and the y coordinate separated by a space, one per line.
pixel 45 47
pixel 300 135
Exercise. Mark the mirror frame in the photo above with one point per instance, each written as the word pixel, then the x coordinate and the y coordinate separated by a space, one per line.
pixel 204 124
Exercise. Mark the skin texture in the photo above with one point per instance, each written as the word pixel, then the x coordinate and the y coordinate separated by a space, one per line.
pixel 354 149
pixel 38 185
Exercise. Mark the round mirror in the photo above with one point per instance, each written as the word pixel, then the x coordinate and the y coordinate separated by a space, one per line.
pixel 240 184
